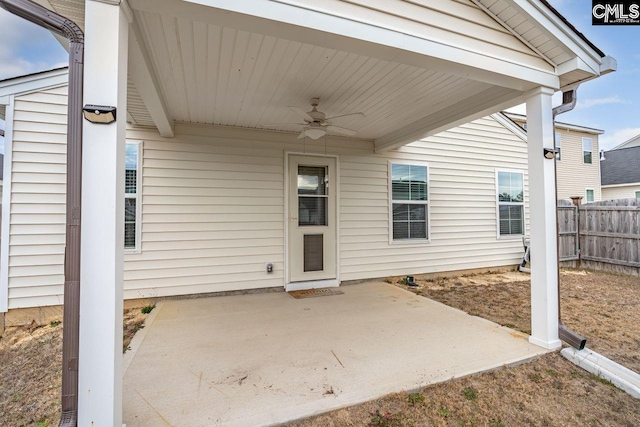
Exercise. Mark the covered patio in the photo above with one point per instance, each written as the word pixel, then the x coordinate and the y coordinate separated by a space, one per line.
pixel 414 68
pixel 268 358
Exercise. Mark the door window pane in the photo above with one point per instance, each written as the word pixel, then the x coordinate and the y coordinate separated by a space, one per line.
pixel 312 211
pixel 130 223
pixel 312 180
pixel 313 252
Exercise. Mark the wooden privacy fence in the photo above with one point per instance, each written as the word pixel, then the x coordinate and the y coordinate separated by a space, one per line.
pixel 607 237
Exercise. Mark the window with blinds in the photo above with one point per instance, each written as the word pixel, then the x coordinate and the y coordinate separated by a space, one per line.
pixel 131 196
pixel 510 203
pixel 409 202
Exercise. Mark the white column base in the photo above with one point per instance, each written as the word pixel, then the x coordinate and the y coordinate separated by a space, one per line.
pixel 549 345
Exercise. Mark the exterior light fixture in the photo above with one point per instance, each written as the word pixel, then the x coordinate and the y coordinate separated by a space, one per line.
pixel 99 114
pixel 550 153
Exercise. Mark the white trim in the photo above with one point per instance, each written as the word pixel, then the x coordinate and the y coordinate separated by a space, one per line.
pixel 35 82
pixel 558 145
pixel 138 197
pixel 586 195
pixel 287 155
pixel 311 284
pixel 505 121
pixel 591 151
pixel 558 125
pixel 631 184
pixel 6 207
pixel 427 202
pixel 498 203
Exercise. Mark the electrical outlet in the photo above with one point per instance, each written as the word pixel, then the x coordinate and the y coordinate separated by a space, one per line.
pixel 269 267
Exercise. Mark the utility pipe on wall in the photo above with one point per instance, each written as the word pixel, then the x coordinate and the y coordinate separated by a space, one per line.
pixel 71 321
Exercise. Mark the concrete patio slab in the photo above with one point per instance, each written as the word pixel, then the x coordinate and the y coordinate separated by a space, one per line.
pixel 265 359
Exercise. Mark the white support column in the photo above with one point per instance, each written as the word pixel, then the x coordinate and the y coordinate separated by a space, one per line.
pixel 101 275
pixel 542 205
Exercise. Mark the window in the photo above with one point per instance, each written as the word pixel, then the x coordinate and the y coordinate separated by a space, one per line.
pixel 510 188
pixel 558 146
pixel 409 202
pixel 131 196
pixel 590 195
pixel 587 150
pixel 637 194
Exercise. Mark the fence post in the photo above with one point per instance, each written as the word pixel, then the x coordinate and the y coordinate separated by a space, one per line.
pixel 577 201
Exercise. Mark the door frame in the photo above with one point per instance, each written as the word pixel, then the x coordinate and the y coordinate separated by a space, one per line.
pixel 288 286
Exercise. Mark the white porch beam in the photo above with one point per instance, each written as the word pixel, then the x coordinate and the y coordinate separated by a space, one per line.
pixel 145 80
pixel 101 275
pixel 317 25
pixel 482 104
pixel 542 205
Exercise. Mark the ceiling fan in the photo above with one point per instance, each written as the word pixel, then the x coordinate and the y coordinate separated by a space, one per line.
pixel 316 123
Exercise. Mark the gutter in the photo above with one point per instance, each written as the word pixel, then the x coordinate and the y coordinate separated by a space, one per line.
pixel 569 100
pixel 58 24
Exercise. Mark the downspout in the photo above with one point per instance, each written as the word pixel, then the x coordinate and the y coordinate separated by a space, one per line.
pixel 70 341
pixel 569 99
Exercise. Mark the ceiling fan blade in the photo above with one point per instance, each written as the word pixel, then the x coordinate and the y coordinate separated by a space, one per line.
pixel 302 113
pixel 362 115
pixel 276 125
pixel 301 135
pixel 344 131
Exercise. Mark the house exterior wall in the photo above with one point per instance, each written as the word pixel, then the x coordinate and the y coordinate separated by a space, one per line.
pixel 627 191
pixel 574 177
pixel 213 205
pixel 37 211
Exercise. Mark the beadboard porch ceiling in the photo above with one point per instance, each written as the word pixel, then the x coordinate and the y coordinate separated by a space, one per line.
pixel 222 63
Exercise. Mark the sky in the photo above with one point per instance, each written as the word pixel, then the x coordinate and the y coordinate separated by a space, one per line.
pixel 610 103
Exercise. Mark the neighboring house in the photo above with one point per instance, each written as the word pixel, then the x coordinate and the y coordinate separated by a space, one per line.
pixel 633 142
pixel 578 168
pixel 621 173
pixel 217 184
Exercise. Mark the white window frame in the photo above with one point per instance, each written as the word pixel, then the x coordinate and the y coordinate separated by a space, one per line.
pixel 427 202
pixel 584 138
pixel 559 146
pixel 498 203
pixel 138 197
pixel 586 195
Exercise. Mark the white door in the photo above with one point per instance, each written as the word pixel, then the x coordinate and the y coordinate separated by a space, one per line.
pixel 312 222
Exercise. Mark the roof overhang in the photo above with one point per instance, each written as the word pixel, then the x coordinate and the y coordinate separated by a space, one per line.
pixel 403 63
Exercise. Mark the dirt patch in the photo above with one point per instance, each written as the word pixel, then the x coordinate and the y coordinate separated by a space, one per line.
pixel 549 391
pixel 31 368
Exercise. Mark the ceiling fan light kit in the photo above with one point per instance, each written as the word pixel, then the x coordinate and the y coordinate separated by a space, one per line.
pixel 317 124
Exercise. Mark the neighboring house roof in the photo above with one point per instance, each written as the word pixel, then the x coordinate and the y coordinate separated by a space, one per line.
pixel 633 142
pixel 620 166
pixel 33 74
pixel 560 125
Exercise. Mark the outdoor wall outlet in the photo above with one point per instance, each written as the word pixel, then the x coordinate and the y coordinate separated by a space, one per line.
pixel 269 267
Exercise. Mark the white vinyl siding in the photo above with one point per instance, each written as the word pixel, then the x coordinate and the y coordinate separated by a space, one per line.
pixel 587 151
pixel 621 191
pixel 212 209
pixel 38 186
